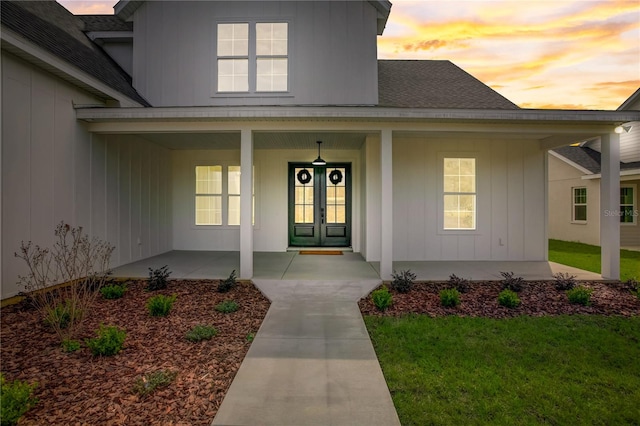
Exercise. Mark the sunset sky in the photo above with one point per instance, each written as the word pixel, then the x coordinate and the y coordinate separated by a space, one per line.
pixel 578 54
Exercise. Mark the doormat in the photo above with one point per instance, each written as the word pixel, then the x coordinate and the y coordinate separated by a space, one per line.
pixel 325 252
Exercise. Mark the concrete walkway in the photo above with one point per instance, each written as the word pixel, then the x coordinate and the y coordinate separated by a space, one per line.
pixel 311 363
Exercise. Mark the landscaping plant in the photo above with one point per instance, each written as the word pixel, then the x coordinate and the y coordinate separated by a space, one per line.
pixel 402 281
pixel 158 278
pixel 79 263
pixel 160 305
pixel 201 332
pixel 151 381
pixel 509 282
pixel 460 284
pixel 227 306
pixel 113 291
pixel 580 295
pixel 509 299
pixel 633 286
pixel 564 281
pixel 449 297
pixel 16 398
pixel 70 345
pixel 108 342
pixel 228 283
pixel 381 298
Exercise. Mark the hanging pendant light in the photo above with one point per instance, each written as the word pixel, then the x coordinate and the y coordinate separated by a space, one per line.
pixel 319 161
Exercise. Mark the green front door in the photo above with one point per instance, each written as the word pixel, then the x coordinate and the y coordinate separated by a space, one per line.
pixel 320 205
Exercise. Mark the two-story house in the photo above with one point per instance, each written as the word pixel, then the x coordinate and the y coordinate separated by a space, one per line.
pixel 177 125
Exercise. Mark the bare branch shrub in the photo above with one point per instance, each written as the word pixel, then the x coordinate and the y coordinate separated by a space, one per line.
pixel 79 264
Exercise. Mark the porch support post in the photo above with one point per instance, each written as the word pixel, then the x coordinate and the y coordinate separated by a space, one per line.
pixel 246 204
pixel 610 206
pixel 386 203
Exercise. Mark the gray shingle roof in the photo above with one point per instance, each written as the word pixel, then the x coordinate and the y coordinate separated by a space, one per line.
pixel 434 84
pixel 105 23
pixel 50 26
pixel 589 158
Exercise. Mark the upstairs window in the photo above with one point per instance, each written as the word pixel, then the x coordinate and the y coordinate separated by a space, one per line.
pixel 253 57
pixel 459 179
pixel 579 205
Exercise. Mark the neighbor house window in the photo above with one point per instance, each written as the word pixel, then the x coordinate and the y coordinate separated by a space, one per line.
pixel 579 205
pixel 628 211
pixel 459 193
pixel 208 195
pixel 253 57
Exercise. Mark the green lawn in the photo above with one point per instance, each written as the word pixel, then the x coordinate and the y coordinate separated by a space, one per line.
pixel 525 371
pixel 587 257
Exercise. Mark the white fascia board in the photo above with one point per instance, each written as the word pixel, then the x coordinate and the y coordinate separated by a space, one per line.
pixel 572 164
pixel 630 174
pixel 73 74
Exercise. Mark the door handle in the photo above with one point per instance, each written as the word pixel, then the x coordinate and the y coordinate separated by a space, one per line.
pixel 322 215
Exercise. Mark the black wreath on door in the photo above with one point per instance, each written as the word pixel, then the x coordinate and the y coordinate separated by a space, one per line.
pixel 304 177
pixel 335 177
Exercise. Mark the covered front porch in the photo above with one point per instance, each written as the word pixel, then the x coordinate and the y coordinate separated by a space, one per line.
pixel 348 266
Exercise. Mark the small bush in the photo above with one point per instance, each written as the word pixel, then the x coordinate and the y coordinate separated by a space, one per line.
pixel 512 283
pixel 402 281
pixel 450 297
pixel 227 306
pixel 70 345
pixel 460 284
pixel 564 281
pixel 114 291
pixel 160 305
pixel 250 337
pixel 201 332
pixel 16 398
pixel 151 381
pixel 228 283
pixel 580 295
pixel 509 299
pixel 109 341
pixel 158 278
pixel 60 316
pixel 633 286
pixel 382 298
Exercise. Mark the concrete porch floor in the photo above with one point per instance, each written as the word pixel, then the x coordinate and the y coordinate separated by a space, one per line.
pixel 348 266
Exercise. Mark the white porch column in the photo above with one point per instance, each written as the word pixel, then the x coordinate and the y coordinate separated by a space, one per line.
pixel 386 204
pixel 610 206
pixel 246 204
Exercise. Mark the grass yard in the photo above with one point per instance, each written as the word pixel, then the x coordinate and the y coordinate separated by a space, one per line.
pixel 587 257
pixel 525 370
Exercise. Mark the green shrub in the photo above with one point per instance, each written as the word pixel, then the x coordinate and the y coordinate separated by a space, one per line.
pixel 509 299
pixel 402 281
pixel 158 278
pixel 228 283
pixel 70 345
pixel 160 305
pixel 151 381
pixel 201 332
pixel 227 306
pixel 460 284
pixel 580 295
pixel 633 286
pixel 108 342
pixel 564 281
pixel 16 398
pixel 114 291
pixel 509 282
pixel 381 298
pixel 250 337
pixel 62 315
pixel 450 297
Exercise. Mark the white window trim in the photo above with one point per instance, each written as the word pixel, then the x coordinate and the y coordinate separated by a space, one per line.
pixel 573 205
pixel 440 191
pixel 635 204
pixel 252 92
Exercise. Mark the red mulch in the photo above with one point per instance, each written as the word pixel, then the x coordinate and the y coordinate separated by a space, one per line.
pixel 481 300
pixel 77 388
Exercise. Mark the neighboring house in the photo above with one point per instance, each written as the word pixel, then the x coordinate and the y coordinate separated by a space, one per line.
pixel 574 187
pixel 192 126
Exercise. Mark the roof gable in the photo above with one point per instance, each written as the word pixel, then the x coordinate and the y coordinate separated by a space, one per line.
pixel 434 84
pixel 589 159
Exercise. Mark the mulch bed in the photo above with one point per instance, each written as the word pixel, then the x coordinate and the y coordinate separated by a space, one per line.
pixel 77 388
pixel 538 298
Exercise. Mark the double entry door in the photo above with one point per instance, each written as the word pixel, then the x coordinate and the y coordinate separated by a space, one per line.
pixel 320 205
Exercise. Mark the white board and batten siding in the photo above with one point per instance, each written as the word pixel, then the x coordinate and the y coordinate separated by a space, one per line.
pixel 53 170
pixel 511 201
pixel 332 52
